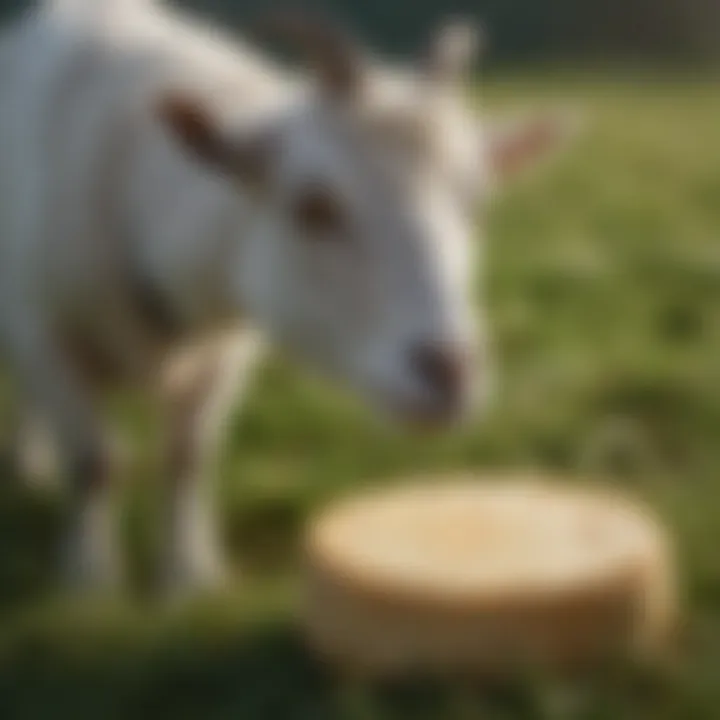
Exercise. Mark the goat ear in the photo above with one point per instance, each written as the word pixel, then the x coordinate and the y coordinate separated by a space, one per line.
pixel 453 49
pixel 516 147
pixel 193 126
pixel 334 54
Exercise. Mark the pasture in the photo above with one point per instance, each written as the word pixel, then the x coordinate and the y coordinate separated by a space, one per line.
pixel 603 282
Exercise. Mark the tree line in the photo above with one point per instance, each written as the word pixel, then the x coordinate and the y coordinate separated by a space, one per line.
pixel 668 31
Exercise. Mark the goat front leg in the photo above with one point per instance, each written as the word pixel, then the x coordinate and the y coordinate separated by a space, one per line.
pixel 33 449
pixel 198 406
pixel 65 403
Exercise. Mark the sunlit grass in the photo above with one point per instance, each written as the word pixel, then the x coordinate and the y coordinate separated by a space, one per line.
pixel 604 291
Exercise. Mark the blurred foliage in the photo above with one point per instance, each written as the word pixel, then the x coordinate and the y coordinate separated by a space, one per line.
pixel 667 31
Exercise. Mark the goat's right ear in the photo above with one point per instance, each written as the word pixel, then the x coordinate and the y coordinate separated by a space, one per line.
pixel 193 126
pixel 190 123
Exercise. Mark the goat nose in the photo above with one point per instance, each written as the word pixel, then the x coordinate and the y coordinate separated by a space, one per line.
pixel 443 368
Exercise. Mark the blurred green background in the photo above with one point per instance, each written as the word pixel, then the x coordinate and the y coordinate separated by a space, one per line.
pixel 521 30
pixel 603 282
pixel 654 30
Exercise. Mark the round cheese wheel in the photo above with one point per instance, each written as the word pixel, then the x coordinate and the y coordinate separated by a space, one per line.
pixel 486 576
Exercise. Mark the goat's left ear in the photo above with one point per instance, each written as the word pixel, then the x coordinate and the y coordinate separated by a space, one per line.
pixel 515 147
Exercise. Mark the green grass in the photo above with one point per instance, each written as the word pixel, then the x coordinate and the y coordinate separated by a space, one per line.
pixel 604 292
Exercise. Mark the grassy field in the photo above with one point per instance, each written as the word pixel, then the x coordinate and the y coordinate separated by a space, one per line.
pixel 604 288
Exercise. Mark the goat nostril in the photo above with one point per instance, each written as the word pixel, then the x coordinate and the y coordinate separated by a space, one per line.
pixel 443 368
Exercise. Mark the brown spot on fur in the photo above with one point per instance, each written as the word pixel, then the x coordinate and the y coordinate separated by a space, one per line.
pixel 333 54
pixel 319 213
pixel 96 364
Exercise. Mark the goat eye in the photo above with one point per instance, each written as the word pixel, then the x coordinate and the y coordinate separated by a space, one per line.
pixel 318 213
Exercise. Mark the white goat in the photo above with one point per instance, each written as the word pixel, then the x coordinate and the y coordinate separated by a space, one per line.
pixel 168 194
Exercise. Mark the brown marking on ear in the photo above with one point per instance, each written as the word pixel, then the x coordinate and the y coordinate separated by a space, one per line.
pixel 523 147
pixel 190 123
pixel 245 158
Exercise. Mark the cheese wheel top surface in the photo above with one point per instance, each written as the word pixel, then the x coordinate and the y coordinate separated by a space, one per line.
pixel 476 538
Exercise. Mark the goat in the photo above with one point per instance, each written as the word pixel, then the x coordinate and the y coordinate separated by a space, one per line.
pixel 173 200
